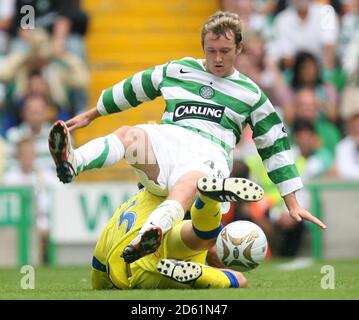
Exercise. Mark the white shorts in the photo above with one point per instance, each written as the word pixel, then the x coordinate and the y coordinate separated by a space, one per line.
pixel 178 151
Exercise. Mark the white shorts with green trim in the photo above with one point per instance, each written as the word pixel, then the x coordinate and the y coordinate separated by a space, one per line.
pixel 179 151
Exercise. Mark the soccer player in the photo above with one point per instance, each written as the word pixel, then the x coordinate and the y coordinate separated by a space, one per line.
pixel 187 242
pixel 208 103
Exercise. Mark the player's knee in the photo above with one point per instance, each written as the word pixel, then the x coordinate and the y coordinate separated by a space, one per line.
pixel 130 136
pixel 122 133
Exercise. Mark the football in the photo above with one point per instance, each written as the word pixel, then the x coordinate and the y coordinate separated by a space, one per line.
pixel 242 245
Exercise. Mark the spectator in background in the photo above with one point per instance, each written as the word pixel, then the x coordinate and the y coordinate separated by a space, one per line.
pixel 7 9
pixel 65 21
pixel 25 173
pixel 3 114
pixel 64 74
pixel 35 126
pixel 318 159
pixel 6 14
pixel 266 7
pixel 255 15
pixel 307 107
pixel 347 152
pixel 2 156
pixel 252 20
pixel 36 86
pixel 305 26
pixel 349 41
pixel 306 74
pixel 253 63
pixel 338 5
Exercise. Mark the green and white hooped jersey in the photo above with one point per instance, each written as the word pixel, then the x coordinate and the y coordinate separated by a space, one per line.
pixel 216 108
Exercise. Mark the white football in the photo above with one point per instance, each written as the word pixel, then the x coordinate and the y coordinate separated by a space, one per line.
pixel 242 245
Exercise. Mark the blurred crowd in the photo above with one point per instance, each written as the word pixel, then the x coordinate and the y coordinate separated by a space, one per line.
pixel 304 54
pixel 43 77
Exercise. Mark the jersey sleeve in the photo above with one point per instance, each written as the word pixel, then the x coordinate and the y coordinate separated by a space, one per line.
pixel 142 86
pixel 271 140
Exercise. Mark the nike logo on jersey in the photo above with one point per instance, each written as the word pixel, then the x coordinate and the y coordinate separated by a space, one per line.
pixel 200 111
pixel 182 71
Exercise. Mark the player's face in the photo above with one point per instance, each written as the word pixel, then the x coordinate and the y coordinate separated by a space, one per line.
pixel 221 53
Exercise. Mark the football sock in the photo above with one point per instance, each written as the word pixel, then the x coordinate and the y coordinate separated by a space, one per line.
pixel 206 217
pixel 215 278
pixel 99 153
pixel 165 216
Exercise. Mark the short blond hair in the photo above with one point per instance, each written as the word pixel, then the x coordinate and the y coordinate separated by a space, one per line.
pixel 222 22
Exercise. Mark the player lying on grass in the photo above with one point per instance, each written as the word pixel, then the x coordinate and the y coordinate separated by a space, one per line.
pixel 179 262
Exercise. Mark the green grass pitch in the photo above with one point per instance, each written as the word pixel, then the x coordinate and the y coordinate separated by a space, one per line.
pixel 265 282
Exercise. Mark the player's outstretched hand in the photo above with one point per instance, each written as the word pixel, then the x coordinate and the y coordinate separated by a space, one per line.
pixel 82 120
pixel 299 213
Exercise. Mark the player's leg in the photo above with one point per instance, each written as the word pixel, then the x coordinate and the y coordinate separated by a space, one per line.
pixel 189 241
pixel 186 255
pixel 176 274
pixel 188 273
pixel 129 142
pixel 143 278
pixel 162 219
pixel 188 238
pixel 200 276
pixel 157 224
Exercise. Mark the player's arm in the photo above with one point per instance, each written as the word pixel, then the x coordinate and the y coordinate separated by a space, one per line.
pixel 298 213
pixel 273 146
pixel 129 93
pixel 82 120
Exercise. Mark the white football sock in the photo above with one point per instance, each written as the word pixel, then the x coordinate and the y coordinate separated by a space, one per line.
pixel 99 153
pixel 165 216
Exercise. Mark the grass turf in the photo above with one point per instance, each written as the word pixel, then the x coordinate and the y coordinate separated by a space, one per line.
pixel 265 282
